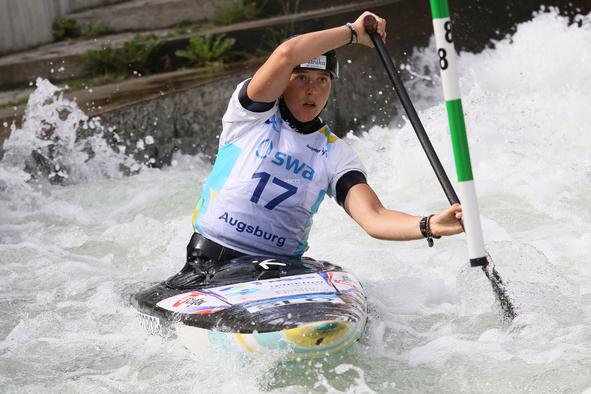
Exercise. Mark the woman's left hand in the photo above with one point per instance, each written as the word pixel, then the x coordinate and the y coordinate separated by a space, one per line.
pixel 447 222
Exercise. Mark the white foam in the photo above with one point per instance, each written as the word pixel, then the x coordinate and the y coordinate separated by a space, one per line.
pixel 71 256
pixel 48 147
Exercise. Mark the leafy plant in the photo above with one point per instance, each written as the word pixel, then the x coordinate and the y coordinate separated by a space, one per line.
pixel 181 30
pixel 204 50
pixel 103 61
pixel 13 103
pixel 92 30
pixel 133 56
pixel 239 10
pixel 65 28
pixel 178 31
pixel 94 80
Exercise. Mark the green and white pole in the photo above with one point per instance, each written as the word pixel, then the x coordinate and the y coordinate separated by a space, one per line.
pixel 455 115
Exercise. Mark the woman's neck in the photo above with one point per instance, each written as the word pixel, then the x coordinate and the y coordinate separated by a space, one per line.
pixel 300 127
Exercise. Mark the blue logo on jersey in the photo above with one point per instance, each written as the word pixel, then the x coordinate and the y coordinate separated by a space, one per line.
pixel 264 149
pixel 313 149
pixel 323 151
pixel 275 122
pixel 290 163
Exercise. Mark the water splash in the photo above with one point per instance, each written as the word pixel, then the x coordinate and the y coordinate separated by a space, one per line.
pixel 64 259
pixel 59 143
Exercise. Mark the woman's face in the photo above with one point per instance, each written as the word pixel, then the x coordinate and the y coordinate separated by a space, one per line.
pixel 307 93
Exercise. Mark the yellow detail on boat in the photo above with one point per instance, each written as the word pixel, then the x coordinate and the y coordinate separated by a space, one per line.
pixel 312 335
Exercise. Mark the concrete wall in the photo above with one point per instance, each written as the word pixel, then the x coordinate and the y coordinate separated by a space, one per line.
pixel 27 23
pixel 188 121
pixel 152 14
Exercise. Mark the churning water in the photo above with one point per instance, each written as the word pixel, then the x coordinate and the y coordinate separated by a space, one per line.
pixel 71 255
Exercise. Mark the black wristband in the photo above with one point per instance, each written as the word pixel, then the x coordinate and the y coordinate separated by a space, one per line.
pixel 425 227
pixel 353 39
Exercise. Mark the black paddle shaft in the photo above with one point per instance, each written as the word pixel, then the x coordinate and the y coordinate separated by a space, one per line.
pixel 498 286
pixel 371 26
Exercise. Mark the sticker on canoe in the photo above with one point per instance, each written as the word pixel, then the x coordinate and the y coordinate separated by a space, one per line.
pixel 263 294
pixel 299 299
pixel 286 286
pixel 344 282
pixel 195 302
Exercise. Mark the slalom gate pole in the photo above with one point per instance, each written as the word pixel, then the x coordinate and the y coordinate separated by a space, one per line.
pixel 471 222
pixel 455 115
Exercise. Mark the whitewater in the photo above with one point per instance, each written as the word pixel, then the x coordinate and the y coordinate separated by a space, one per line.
pixel 71 254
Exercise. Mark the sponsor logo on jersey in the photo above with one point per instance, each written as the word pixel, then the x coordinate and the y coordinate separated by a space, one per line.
pixel 285 160
pixel 241 227
pixel 264 149
pixel 323 152
pixel 276 122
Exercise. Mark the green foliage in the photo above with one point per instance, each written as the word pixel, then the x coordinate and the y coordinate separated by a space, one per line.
pixel 103 61
pixel 204 50
pixel 178 31
pixel 14 103
pixel 95 80
pixel 65 28
pixel 240 10
pixel 182 30
pixel 133 56
pixel 92 30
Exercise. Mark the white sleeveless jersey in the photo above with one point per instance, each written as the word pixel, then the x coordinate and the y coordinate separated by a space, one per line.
pixel 268 181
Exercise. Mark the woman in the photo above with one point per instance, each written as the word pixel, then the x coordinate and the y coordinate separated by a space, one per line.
pixel 277 160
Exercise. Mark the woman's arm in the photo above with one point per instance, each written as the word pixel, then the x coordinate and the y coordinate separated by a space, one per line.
pixel 363 205
pixel 270 80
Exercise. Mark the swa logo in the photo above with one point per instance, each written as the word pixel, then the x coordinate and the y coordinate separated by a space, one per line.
pixel 264 149
pixel 281 159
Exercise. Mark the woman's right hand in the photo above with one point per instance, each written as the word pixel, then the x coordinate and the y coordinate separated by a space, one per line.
pixel 362 36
